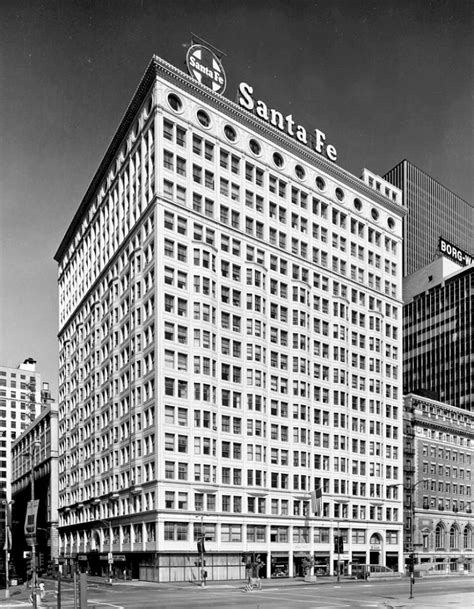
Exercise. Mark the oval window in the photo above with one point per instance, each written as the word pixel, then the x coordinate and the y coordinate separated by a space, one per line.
pixel 255 147
pixel 374 213
pixel 175 102
pixel 300 172
pixel 203 118
pixel 391 223
pixel 230 133
pixel 149 106
pixel 320 183
pixel 339 194
pixel 358 204
pixel 278 159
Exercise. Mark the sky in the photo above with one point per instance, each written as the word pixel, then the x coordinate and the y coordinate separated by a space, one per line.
pixel 384 79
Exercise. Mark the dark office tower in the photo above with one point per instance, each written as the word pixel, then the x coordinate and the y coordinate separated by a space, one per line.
pixel 433 211
pixel 438 339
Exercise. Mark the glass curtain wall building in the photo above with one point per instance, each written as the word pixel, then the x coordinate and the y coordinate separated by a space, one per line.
pixel 433 211
pixel 438 321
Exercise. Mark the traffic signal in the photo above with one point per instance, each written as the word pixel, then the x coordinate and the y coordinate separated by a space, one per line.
pixel 411 563
pixel 200 546
pixel 338 544
pixel 28 563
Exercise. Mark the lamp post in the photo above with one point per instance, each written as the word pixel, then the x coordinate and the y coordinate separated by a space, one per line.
pixel 31 454
pixel 108 523
pixel 110 556
pixel 412 536
pixel 200 546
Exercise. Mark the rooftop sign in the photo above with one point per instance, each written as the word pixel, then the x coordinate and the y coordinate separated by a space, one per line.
pixel 206 68
pixel 315 140
pixel 451 251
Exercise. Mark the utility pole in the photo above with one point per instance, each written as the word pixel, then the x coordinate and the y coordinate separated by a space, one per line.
pixel 7 551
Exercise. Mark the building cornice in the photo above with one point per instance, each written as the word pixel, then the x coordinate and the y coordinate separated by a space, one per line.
pixel 422 421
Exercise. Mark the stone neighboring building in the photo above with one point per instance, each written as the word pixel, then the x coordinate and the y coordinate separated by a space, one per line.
pixel 438 466
pixel 36 448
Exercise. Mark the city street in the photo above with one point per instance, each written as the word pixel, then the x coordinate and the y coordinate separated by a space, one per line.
pixel 429 594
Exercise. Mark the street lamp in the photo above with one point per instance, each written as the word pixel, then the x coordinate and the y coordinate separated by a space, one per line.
pixel 108 523
pixel 201 549
pixel 411 563
pixel 32 515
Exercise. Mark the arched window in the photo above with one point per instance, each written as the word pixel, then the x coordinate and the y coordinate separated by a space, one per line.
pixel 453 537
pixel 375 539
pixel 467 537
pixel 440 536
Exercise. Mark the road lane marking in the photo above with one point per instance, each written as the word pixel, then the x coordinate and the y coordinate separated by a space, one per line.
pixel 334 603
pixel 107 604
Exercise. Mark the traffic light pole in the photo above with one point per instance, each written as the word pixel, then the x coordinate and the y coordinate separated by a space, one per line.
pixel 411 557
pixel 411 564
pixel 201 556
pixel 338 552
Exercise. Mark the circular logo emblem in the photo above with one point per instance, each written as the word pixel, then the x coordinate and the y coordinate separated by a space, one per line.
pixel 206 68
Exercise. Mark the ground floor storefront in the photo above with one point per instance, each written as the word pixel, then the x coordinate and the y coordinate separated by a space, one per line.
pixel 439 564
pixel 218 566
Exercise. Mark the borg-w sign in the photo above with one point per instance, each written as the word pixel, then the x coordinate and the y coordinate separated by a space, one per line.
pixel 453 252
pixel 206 68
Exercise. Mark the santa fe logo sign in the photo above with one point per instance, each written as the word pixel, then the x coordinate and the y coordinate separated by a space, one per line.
pixel 206 68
